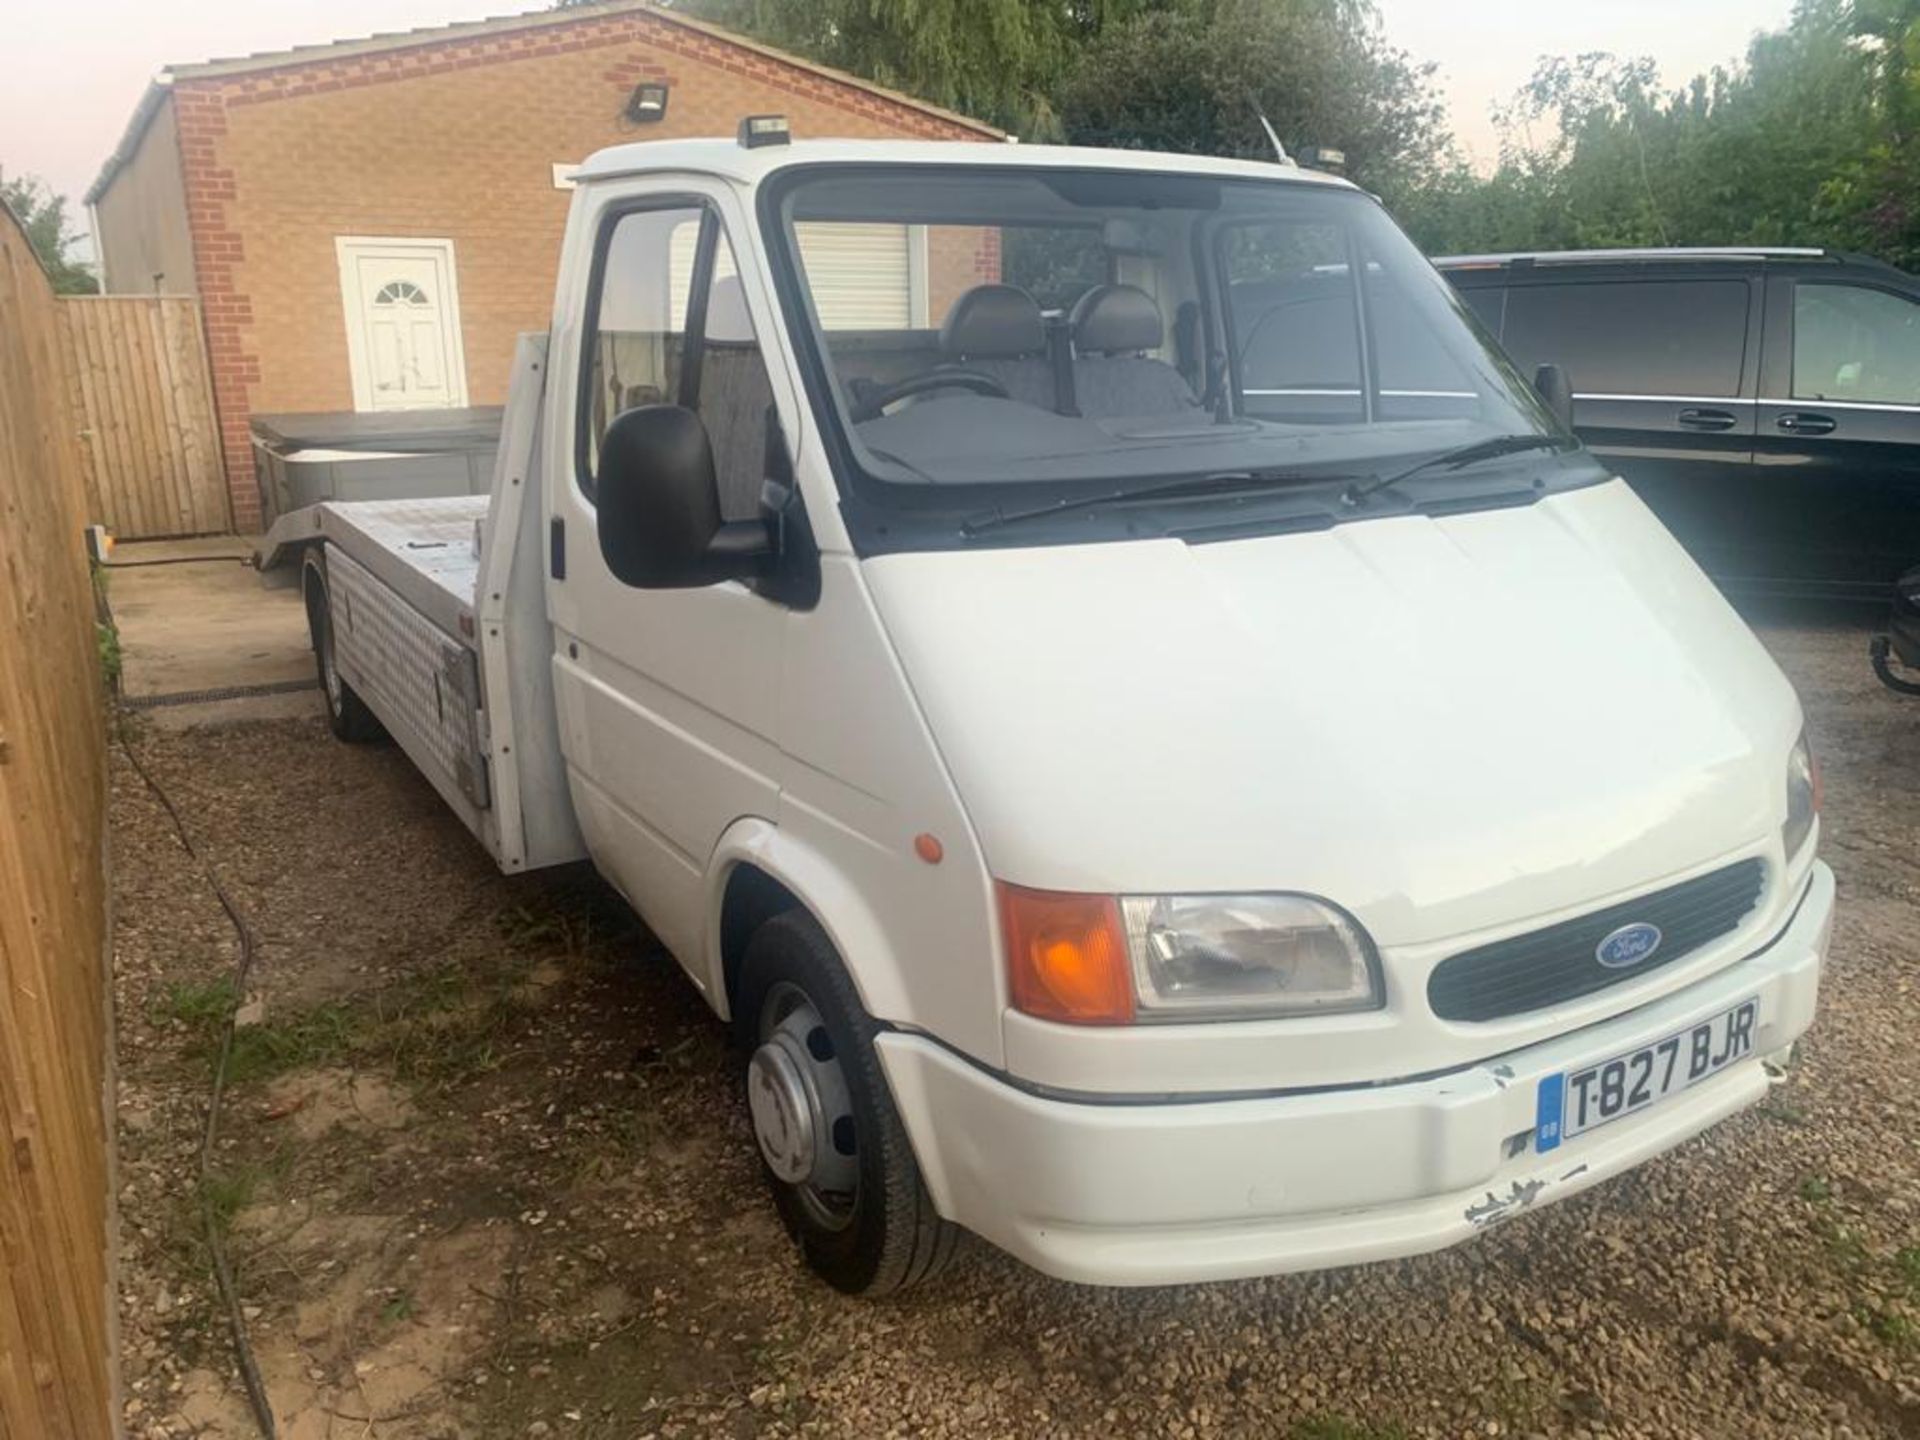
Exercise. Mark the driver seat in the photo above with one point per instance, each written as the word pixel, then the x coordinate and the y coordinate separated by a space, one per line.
pixel 999 331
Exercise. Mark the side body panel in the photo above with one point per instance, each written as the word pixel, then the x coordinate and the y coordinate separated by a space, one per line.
pixel 705 729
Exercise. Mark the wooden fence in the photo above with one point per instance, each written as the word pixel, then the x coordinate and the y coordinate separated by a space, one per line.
pixel 55 1316
pixel 137 366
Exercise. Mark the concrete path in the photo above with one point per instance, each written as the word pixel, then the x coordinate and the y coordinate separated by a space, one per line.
pixel 193 616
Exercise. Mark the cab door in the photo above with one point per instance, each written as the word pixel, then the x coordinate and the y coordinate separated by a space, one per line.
pixel 1838 452
pixel 669 700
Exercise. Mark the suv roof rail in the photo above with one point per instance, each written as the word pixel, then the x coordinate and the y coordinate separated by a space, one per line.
pixel 1650 253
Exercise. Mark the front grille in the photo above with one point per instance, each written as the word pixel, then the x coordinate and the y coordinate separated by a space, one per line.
pixel 1557 964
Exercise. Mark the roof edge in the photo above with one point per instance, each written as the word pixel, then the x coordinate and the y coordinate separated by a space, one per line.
pixel 155 95
pixel 324 52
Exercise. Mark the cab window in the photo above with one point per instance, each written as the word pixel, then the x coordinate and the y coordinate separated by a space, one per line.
pixel 1853 343
pixel 647 343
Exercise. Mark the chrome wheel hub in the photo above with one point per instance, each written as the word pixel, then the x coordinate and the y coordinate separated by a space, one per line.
pixel 802 1110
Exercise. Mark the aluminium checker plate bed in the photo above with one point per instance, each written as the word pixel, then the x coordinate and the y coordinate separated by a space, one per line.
pixel 402 576
pixel 447 639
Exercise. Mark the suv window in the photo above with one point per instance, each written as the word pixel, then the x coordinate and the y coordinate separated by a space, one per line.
pixel 638 342
pixel 1853 343
pixel 1633 337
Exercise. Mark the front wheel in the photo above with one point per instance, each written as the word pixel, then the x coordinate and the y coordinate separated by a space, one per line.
pixel 832 1147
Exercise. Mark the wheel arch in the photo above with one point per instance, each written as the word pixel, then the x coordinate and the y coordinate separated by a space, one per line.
pixel 757 871
pixel 314 592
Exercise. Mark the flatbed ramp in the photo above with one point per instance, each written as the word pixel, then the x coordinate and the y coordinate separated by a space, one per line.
pixel 440 627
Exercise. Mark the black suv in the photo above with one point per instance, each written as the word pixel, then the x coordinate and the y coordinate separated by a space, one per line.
pixel 1765 403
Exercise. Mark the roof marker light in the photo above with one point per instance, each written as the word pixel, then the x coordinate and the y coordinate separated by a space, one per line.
pixel 758 130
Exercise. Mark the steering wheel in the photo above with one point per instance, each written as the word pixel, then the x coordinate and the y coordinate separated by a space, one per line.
pixel 977 381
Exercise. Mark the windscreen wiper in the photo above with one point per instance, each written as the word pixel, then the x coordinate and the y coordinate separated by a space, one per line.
pixel 1225 482
pixel 1455 459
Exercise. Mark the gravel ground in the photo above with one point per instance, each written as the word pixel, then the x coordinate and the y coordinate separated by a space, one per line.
pixel 485 1173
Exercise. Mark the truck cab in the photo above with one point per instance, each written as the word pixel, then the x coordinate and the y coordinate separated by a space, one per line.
pixel 1168 753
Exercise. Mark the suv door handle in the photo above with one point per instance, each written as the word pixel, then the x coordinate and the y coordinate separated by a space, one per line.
pixel 1707 419
pixel 1801 423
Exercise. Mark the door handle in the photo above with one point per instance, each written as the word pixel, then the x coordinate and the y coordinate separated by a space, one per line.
pixel 1801 423
pixel 1707 420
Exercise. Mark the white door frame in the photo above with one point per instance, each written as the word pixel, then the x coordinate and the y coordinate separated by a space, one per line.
pixel 359 363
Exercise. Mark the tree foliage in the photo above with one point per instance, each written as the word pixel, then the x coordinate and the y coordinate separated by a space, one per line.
pixel 1166 74
pixel 43 215
pixel 1808 141
pixel 998 60
pixel 1196 78
pixel 1813 137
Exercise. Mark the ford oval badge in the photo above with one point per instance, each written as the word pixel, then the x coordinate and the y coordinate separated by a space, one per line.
pixel 1628 946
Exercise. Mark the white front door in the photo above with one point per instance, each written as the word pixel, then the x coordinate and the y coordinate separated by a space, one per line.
pixel 403 323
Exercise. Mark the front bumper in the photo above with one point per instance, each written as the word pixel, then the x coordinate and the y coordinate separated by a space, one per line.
pixel 1165 1193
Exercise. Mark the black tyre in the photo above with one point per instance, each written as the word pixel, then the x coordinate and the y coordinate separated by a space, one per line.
pixel 347 713
pixel 832 1147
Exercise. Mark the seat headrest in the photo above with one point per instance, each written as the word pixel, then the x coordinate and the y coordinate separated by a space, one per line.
pixel 993 322
pixel 1115 319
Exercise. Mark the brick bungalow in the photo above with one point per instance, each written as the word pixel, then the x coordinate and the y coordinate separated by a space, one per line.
pixel 368 224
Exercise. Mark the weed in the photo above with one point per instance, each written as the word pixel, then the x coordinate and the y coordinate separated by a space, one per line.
pixel 1906 1264
pixel 399 1308
pixel 202 1006
pixel 452 1024
pixel 107 640
pixel 1816 1190
pixel 313 1037
pixel 228 1192
pixel 1888 1326
pixel 260 1052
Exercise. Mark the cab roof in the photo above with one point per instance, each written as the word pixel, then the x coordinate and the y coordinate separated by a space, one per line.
pixel 730 160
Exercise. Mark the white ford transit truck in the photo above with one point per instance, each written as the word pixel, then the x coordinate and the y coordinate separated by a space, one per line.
pixel 1168 752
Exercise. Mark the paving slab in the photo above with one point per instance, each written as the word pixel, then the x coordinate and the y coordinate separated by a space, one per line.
pixel 194 616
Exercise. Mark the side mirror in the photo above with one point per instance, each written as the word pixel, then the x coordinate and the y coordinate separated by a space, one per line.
pixel 659 505
pixel 1554 387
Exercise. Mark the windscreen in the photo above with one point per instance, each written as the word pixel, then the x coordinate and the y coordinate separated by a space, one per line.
pixel 1043 328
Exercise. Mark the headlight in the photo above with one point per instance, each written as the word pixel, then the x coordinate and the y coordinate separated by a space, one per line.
pixel 1803 796
pixel 1198 957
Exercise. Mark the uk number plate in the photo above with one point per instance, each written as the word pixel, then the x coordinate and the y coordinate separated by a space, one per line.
pixel 1576 1101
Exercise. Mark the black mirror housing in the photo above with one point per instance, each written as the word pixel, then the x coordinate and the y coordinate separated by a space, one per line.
pixel 1557 390
pixel 659 505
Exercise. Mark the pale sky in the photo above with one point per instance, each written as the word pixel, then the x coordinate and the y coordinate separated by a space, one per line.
pixel 75 71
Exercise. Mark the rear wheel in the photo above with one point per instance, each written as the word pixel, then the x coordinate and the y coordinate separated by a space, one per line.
pixel 832 1147
pixel 347 713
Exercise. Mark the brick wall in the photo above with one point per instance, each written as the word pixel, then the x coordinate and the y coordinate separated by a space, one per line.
pixel 959 257
pixel 452 139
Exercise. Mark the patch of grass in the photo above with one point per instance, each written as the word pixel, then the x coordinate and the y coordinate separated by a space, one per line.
pixel 318 1036
pixel 260 1052
pixel 1816 1189
pixel 1888 1326
pixel 1906 1265
pixel 107 640
pixel 452 1024
pixel 399 1308
pixel 228 1192
pixel 1338 1427
pixel 202 1006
